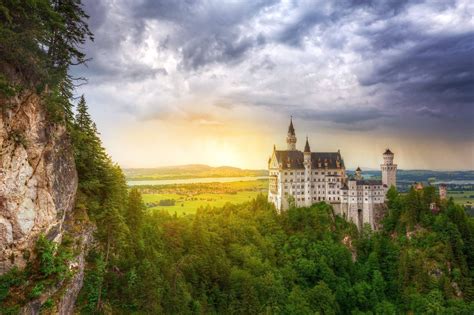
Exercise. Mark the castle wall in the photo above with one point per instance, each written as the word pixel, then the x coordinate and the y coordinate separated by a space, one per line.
pixel 310 181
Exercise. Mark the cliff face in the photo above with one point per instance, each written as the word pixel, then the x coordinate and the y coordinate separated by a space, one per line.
pixel 38 179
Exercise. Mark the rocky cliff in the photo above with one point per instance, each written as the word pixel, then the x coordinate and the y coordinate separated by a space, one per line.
pixel 38 179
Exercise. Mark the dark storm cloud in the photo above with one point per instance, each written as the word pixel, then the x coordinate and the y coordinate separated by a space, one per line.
pixel 383 8
pixel 344 116
pixel 125 71
pixel 217 48
pixel 294 33
pixel 206 33
pixel 437 75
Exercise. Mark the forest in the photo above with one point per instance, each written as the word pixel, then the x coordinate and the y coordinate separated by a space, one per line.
pixel 235 259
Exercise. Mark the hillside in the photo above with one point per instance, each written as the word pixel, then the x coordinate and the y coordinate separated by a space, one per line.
pixel 242 259
pixel 189 171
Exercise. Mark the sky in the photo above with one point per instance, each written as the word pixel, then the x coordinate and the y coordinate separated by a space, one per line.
pixel 215 82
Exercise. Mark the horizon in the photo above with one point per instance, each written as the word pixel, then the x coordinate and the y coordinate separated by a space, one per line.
pixel 216 84
pixel 265 169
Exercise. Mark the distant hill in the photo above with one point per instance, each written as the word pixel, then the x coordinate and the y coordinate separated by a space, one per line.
pixel 189 171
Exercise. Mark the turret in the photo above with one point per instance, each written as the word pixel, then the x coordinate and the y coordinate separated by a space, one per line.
pixel 291 138
pixel 443 191
pixel 358 174
pixel 389 170
pixel 307 154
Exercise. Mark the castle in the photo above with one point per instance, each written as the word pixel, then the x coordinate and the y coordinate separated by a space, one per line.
pixel 310 177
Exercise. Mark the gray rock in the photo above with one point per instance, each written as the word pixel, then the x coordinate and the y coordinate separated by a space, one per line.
pixel 38 178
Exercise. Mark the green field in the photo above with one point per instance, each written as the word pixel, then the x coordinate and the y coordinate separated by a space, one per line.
pixel 462 197
pixel 189 171
pixel 188 205
pixel 189 197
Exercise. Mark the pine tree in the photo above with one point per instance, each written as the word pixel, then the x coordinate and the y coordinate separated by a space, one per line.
pixel 135 210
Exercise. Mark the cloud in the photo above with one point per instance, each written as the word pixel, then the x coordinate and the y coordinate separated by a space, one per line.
pixel 379 67
pixel 437 76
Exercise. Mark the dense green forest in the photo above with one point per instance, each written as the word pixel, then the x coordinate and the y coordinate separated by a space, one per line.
pixel 247 259
pixel 239 259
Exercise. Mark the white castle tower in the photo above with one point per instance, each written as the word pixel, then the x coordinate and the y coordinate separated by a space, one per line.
pixel 307 179
pixel 291 138
pixel 389 170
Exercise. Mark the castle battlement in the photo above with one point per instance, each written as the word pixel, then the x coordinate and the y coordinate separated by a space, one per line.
pixel 306 177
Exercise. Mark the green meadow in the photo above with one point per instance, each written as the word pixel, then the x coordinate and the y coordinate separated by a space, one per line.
pixel 187 198
pixel 188 205
pixel 462 197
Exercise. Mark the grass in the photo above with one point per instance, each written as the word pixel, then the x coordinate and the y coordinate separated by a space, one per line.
pixel 188 205
pixel 189 197
pixel 462 197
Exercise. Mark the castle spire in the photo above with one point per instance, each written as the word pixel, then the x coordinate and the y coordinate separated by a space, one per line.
pixel 291 137
pixel 291 129
pixel 306 147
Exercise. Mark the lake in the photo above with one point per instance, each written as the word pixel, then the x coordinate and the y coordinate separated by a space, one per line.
pixel 194 180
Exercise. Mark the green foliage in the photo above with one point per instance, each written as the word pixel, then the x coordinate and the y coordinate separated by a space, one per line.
pixel 49 268
pixel 46 253
pixel 93 283
pixel 47 305
pixel 53 261
pixel 40 38
pixel 39 41
pixel 247 259
pixel 7 90
pixel 13 278
pixel 36 291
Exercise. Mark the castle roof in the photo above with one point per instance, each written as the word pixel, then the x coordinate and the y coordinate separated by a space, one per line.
pixel 358 169
pixel 319 160
pixel 388 152
pixel 369 182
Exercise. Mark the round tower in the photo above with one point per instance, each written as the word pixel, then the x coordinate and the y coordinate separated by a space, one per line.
pixel 358 174
pixel 443 193
pixel 389 170
pixel 291 138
